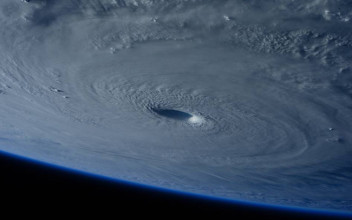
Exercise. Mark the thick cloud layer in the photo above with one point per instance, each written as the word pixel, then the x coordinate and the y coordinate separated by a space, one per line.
pixel 239 99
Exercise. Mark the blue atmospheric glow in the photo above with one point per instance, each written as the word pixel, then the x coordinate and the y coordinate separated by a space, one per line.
pixel 269 207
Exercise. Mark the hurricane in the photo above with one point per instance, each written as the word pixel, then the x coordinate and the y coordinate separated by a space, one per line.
pixel 244 100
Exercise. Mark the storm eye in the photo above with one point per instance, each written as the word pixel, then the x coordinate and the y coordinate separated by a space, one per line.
pixel 173 114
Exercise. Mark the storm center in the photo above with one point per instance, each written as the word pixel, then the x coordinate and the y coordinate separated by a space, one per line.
pixel 173 114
